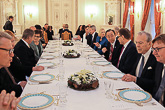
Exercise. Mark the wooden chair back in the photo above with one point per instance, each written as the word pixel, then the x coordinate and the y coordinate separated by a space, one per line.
pixel 66 36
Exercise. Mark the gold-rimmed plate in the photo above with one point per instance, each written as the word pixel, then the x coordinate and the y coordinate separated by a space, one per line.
pixel 101 63
pixel 135 95
pixel 35 101
pixel 42 78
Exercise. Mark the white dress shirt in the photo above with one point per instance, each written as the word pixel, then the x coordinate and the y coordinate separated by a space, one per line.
pixel 84 39
pixel 125 46
pixel 93 35
pixel 25 43
pixel 163 71
pixel 146 56
pixel 113 44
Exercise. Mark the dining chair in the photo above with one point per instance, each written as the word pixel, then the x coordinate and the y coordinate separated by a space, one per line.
pixel 66 36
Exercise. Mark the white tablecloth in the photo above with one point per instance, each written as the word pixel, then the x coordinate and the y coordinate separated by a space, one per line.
pixel 84 100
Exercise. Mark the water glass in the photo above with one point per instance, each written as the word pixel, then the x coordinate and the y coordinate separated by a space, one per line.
pixel 82 53
pixel 61 72
pixel 108 89
pixel 87 60
pixel 63 92
pixel 60 54
pixel 61 61
pixel 96 70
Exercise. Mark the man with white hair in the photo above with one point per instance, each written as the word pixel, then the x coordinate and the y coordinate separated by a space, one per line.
pixel 7 81
pixel 91 38
pixel 143 71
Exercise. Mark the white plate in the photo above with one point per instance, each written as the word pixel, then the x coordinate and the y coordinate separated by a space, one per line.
pixel 135 95
pixel 46 64
pixel 35 101
pixel 47 56
pixel 113 74
pixel 42 78
pixel 94 56
pixel 88 50
pixel 102 63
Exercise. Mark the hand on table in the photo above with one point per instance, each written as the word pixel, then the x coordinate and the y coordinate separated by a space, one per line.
pixel 97 44
pixel 38 68
pixel 8 101
pixel 22 84
pixel 78 38
pixel 129 78
pixel 104 50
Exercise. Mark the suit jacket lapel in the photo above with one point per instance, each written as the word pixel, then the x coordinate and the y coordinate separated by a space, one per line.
pixel 147 64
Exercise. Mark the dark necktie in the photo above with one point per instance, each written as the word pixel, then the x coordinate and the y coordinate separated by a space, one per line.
pixel 11 76
pixel 161 88
pixel 119 57
pixel 111 51
pixel 141 66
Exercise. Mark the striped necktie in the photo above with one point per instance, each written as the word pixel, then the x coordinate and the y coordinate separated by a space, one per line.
pixel 111 51
pixel 141 66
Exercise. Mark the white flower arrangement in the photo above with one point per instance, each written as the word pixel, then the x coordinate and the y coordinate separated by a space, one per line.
pixel 71 52
pixel 83 77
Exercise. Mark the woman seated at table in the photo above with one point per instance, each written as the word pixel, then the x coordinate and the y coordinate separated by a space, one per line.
pixel 50 33
pixel 80 32
pixel 36 45
pixel 101 41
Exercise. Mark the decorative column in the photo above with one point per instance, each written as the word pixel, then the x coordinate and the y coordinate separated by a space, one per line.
pixel 16 7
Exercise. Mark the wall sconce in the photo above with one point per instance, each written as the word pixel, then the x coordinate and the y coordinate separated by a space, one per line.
pixel 30 11
pixel 160 7
pixel 91 11
pixel 131 11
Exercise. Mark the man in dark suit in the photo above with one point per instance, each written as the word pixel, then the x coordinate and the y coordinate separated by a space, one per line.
pixel 7 81
pixel 60 30
pixel 128 54
pixel 112 51
pixel 143 72
pixel 23 51
pixel 91 38
pixel 66 29
pixel 8 25
pixel 16 68
pixel 158 52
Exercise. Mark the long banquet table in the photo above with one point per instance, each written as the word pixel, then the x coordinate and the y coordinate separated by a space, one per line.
pixel 83 100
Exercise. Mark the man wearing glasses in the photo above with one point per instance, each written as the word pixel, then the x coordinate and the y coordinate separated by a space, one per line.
pixel 7 81
pixel 112 51
pixel 128 54
pixel 159 53
pixel 143 72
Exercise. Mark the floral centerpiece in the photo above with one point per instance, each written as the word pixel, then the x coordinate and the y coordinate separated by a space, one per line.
pixel 71 54
pixel 83 80
pixel 67 43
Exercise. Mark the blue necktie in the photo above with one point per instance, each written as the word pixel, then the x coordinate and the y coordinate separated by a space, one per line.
pixel 161 88
pixel 141 66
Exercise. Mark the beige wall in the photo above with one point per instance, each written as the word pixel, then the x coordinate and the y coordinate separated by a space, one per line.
pixel 38 18
pixel 83 18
